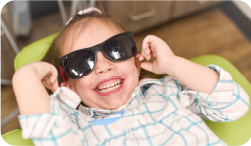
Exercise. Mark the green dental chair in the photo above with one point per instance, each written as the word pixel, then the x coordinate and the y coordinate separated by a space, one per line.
pixel 233 133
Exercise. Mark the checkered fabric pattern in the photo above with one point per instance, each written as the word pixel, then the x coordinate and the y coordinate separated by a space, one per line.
pixel 160 112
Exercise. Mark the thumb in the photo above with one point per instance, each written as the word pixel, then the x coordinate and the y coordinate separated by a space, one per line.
pixel 147 66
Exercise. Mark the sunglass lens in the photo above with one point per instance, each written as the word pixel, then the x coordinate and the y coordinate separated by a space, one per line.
pixel 120 48
pixel 80 63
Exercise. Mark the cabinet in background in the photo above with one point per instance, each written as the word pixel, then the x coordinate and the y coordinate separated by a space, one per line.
pixel 137 16
pixel 184 8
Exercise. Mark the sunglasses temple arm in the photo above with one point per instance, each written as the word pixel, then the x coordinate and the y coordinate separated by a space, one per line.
pixel 61 70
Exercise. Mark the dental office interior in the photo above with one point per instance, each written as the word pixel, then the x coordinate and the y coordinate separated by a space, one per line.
pixel 191 29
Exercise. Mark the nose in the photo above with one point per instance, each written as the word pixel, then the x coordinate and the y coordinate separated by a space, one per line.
pixel 103 64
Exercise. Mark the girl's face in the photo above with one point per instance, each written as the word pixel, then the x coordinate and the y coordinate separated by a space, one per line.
pixel 121 78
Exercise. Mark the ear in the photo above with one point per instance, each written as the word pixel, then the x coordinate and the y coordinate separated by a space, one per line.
pixel 67 84
pixel 137 63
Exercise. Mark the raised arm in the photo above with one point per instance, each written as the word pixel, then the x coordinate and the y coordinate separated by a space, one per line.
pixel 194 76
pixel 42 118
pixel 32 97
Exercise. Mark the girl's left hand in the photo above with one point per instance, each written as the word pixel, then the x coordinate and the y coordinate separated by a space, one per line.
pixel 156 47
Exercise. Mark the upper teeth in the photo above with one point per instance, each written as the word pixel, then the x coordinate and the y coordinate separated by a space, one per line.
pixel 109 84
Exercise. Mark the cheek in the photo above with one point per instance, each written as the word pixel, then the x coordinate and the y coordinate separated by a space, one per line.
pixel 82 85
pixel 130 68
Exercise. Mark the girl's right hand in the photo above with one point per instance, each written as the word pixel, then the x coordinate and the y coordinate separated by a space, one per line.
pixel 46 72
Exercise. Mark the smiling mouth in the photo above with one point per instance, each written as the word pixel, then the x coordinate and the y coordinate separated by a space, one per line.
pixel 109 86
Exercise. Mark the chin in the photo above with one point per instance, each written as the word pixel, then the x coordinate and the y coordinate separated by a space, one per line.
pixel 114 106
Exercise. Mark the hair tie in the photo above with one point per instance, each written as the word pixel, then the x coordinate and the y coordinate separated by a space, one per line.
pixel 85 11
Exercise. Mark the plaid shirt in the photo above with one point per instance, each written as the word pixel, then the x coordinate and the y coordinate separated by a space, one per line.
pixel 160 112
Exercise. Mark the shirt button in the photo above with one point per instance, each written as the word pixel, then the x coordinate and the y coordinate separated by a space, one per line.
pixel 182 100
pixel 136 117
pixel 138 92
pixel 40 126
pixel 60 121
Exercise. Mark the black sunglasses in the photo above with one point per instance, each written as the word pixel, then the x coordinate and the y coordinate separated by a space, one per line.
pixel 82 62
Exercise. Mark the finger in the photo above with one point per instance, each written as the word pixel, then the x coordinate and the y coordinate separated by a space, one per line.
pixel 141 57
pixel 147 53
pixel 137 56
pixel 47 80
pixel 54 79
pixel 45 83
pixel 145 56
pixel 150 42
pixel 146 42
pixel 147 66
pixel 53 72
pixel 62 84
pixel 147 47
pixel 54 83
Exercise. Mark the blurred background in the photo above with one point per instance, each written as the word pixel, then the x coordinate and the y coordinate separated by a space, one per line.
pixel 190 28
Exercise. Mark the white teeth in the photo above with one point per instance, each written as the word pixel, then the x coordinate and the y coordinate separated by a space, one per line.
pixel 108 85
pixel 109 88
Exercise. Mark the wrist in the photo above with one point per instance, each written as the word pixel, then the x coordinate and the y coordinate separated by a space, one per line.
pixel 23 76
pixel 171 65
pixel 41 68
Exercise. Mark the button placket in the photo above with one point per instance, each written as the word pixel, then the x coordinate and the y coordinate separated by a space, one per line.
pixel 185 99
pixel 137 117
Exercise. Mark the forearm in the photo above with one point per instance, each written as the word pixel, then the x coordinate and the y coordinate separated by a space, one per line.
pixel 32 98
pixel 196 77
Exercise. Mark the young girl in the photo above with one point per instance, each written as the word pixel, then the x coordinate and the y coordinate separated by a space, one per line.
pixel 101 68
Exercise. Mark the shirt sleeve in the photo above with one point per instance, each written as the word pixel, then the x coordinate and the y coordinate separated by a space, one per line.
pixel 58 127
pixel 227 102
